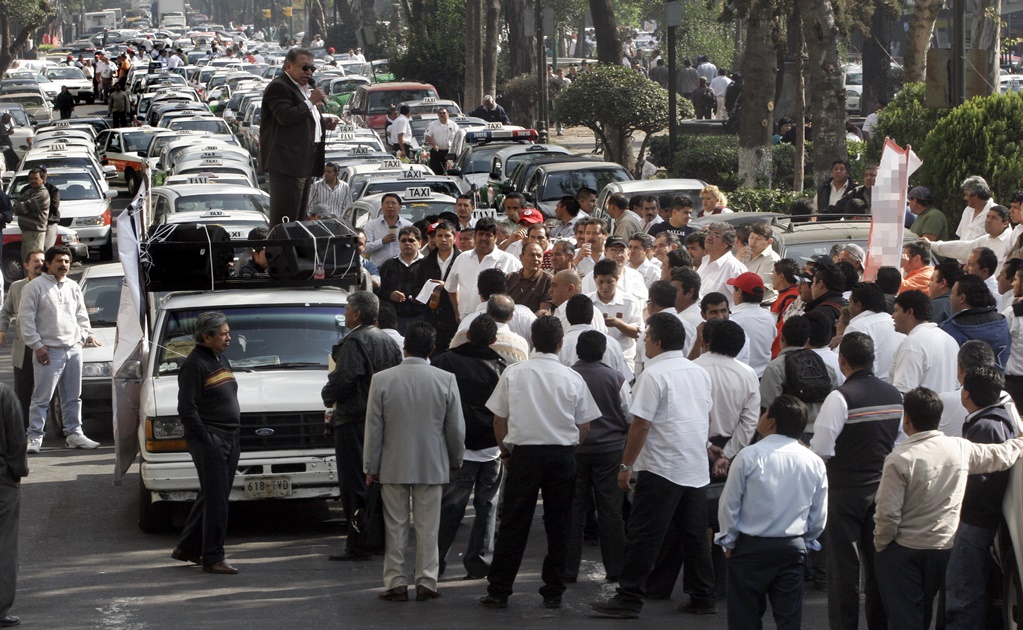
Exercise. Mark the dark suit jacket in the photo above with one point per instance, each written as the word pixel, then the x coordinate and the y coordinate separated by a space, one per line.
pixel 286 132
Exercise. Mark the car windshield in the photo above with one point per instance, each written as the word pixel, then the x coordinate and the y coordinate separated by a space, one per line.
pixel 60 162
pixel 521 158
pixel 28 100
pixel 262 337
pixel 559 185
pixel 381 100
pixel 223 201
pixel 799 251
pixel 19 116
pixel 65 73
pixel 136 140
pixel 102 299
pixel 212 125
pixel 480 159
pixel 432 108
pixel 854 77
pixel 345 87
pixel 72 186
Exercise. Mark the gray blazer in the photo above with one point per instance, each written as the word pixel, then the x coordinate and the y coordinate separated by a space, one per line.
pixel 415 433
pixel 9 321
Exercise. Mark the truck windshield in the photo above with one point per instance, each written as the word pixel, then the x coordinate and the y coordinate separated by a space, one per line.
pixel 262 337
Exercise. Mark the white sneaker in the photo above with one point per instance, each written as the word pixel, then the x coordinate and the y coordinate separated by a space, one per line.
pixel 34 444
pixel 78 440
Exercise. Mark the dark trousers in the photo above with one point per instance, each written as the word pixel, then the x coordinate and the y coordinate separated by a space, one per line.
pixel 351 480
pixel 120 119
pixel 65 114
pixel 481 480
pixel 24 383
pixel 909 579
pixel 216 460
pixel 1014 386
pixel 438 161
pixel 289 197
pixel 851 521
pixel 657 503
pixel 10 515
pixel 766 567
pixel 550 471
pixel 596 476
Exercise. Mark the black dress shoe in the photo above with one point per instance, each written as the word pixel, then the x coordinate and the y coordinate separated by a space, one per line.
pixel 489 601
pixel 9 621
pixel 220 568
pixel 185 556
pixel 552 602
pixel 396 594
pixel 349 557
pixel 424 594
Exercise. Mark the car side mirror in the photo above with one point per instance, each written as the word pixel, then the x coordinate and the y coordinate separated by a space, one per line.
pixel 130 371
pixel 356 110
pixel 456 172
pixel 495 174
pixel 110 194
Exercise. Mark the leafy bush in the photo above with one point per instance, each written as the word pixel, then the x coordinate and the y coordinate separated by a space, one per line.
pixel 715 160
pixel 983 136
pixel 518 97
pixel 438 58
pixel 762 200
pixel 906 120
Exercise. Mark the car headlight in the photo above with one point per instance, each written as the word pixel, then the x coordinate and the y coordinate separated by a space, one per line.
pixel 98 369
pixel 168 429
pixel 69 239
pixel 88 221
pixel 852 93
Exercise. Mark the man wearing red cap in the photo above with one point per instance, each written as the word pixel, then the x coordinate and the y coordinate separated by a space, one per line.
pixel 756 321
pixel 524 218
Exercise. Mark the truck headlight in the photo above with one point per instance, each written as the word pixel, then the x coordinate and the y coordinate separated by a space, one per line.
pixel 168 428
pixel 88 221
pixel 98 369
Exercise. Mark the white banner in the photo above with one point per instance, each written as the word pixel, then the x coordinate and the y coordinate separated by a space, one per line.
pixel 888 208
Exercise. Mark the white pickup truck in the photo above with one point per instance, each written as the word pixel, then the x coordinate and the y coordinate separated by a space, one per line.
pixel 281 341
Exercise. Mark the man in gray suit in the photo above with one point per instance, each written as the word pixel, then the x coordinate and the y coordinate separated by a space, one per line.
pixel 24 380
pixel 415 435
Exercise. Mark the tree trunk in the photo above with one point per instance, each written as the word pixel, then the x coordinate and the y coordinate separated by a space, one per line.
pixel 799 159
pixel 618 144
pixel 827 87
pixel 877 67
pixel 493 34
pixel 417 21
pixel 756 116
pixel 473 85
pixel 317 19
pixel 986 34
pixel 609 45
pixel 925 12
pixel 521 43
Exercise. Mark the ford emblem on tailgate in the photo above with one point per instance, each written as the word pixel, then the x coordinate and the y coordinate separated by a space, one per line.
pixel 264 432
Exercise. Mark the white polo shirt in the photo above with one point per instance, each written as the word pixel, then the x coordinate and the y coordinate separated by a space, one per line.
pixel 735 391
pixel 927 358
pixel 630 282
pixel 880 327
pixel 399 125
pixel 441 133
pixel 715 275
pixel 674 395
pixel 466 269
pixel 629 311
pixel 613 357
pixel 521 322
pixel 544 401
pixel 760 329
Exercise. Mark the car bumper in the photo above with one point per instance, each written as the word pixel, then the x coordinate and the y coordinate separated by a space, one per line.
pixel 93 236
pixel 311 478
pixel 79 251
pixel 97 398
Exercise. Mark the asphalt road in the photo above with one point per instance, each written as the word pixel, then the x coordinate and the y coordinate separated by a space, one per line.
pixel 85 564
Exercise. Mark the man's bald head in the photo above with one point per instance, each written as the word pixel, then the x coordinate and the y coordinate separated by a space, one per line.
pixel 566 283
pixel 501 308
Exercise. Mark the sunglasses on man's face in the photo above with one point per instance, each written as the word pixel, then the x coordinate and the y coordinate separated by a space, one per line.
pixel 308 68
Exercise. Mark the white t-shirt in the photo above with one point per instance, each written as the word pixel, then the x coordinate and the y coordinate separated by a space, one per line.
pixel 441 133
pixel 399 125
pixel 466 269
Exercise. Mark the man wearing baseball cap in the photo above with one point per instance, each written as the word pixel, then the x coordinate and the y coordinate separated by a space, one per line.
pixel 630 281
pixel 930 222
pixel 526 218
pixel 756 321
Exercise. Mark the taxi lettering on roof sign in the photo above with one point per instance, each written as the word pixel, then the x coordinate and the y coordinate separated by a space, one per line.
pixel 390 164
pixel 213 213
pixel 419 193
pixel 359 151
pixel 413 174
pixel 62 124
pixel 346 135
pixel 214 162
pixel 199 179
pixel 494 125
pixel 58 147
pixel 209 154
pixel 430 99
pixel 345 129
pixel 480 213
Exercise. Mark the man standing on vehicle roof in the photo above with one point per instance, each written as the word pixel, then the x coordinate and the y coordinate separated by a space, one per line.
pixel 291 136
pixel 439 135
pixel 32 210
pixel 53 218
pixel 399 132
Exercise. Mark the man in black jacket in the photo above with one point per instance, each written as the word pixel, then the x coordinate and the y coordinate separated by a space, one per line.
pixel 439 312
pixel 53 219
pixel 834 194
pixel 13 466
pixel 208 407
pixel 477 368
pixel 363 352
pixel 399 278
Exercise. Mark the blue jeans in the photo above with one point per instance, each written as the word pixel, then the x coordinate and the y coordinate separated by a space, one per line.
pixel 481 480
pixel 969 565
pixel 908 580
pixel 63 374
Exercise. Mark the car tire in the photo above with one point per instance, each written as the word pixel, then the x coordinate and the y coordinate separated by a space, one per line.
pixel 12 267
pixel 91 100
pixel 1012 603
pixel 154 516
pixel 132 180
pixel 54 418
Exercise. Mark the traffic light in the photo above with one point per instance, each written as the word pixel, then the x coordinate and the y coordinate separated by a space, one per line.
pixel 287 11
pixel 266 13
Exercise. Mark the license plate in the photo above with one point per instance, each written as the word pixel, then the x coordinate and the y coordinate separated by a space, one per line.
pixel 266 487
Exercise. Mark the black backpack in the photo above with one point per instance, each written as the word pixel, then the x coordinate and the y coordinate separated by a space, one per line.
pixel 806 376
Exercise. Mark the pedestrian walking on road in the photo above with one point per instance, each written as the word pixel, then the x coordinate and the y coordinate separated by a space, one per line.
pixel 64 102
pixel 117 106
pixel 208 407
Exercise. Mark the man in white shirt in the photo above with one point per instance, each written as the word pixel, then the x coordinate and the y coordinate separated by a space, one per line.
pixel 719 84
pixel 663 298
pixel 997 237
pixel 329 195
pixel 542 410
pixel 438 136
pixel 580 311
pixel 756 321
pixel 590 246
pixel 687 301
pixel 927 356
pixel 622 314
pixel 667 446
pixel 382 232
pixel 734 390
pixel 489 283
pixel 870 316
pixel 461 282
pixel 399 132
pixel 719 265
pixel 566 284
pixel 762 256
pixel 977 194
pixel 640 249
pixel 630 282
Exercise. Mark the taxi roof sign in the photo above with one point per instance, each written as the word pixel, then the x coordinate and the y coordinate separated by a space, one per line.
pixel 495 125
pixel 390 165
pixel 418 193
pixel 413 174
pixel 429 99
pixel 360 150
pixel 345 135
pixel 476 137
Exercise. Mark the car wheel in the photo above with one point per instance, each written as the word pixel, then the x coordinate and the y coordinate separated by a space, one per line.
pixel 91 100
pixel 1012 605
pixel 12 268
pixel 54 417
pixel 154 516
pixel 132 179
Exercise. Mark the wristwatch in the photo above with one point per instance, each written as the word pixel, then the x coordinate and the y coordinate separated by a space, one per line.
pixel 624 468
